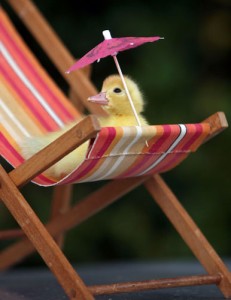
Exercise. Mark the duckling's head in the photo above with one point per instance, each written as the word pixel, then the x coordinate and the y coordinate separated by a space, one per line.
pixel 114 98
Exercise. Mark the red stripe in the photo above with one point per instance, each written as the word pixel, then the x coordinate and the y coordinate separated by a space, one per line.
pixel 156 146
pixel 145 159
pixel 163 167
pixel 172 160
pixel 43 180
pixel 102 141
pixel 88 165
pixel 56 103
pixel 198 132
pixel 17 160
pixel 25 96
pixel 17 157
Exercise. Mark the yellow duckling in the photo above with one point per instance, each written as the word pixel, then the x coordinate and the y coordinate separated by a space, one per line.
pixel 114 101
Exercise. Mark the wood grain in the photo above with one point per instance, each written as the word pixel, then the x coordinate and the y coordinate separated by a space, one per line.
pixel 217 122
pixel 135 286
pixel 81 132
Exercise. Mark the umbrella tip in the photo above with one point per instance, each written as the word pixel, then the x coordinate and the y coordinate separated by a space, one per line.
pixel 107 34
pixel 161 38
pixel 68 72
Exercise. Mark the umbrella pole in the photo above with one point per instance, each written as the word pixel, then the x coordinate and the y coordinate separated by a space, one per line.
pixel 107 35
pixel 126 89
pixel 127 92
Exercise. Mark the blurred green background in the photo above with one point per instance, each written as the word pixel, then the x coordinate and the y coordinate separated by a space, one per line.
pixel 185 78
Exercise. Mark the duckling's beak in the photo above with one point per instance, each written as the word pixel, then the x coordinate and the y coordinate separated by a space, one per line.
pixel 99 99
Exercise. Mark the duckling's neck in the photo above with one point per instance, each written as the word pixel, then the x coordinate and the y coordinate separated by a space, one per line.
pixel 121 120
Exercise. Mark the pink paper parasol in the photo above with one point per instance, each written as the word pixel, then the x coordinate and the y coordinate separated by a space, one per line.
pixel 110 47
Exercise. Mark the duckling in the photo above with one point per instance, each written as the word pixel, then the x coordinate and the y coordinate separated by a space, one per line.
pixel 114 101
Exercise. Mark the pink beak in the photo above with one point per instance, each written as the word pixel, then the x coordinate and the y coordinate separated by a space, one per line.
pixel 99 99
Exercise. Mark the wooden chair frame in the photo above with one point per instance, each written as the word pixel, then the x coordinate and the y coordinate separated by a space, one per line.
pixel 39 237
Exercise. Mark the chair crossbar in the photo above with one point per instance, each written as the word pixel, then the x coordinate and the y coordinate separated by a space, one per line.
pixel 135 286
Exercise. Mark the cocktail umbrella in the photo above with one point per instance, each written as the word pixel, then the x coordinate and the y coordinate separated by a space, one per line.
pixel 110 47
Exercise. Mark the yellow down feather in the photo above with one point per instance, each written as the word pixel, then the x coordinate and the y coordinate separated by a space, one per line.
pixel 119 114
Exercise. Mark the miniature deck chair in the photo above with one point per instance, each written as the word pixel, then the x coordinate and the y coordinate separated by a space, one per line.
pixel 31 103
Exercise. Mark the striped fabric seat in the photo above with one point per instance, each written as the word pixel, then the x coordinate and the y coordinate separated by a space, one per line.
pixel 31 104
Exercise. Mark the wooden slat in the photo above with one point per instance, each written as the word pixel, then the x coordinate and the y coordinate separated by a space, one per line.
pixel 81 132
pixel 136 286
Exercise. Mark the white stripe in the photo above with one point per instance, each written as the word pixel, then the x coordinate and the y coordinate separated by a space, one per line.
pixel 100 173
pixel 14 120
pixel 29 85
pixel 122 157
pixel 176 142
pixel 11 131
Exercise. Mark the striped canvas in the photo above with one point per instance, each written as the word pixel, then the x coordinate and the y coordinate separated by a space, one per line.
pixel 31 104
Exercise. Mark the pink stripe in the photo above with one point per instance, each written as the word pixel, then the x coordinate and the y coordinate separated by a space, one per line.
pixel 43 180
pixel 163 167
pixel 154 149
pixel 102 141
pixel 11 149
pixel 39 79
pixel 18 159
pixel 111 134
pixel 177 156
pixel 159 143
pixel 197 134
pixel 26 100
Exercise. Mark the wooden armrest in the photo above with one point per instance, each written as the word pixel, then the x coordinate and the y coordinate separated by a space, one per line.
pixel 217 122
pixel 77 135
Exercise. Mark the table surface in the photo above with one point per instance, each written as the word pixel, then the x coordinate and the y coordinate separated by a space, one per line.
pixel 40 284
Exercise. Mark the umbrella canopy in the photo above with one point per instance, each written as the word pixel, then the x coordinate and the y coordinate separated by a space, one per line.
pixel 110 47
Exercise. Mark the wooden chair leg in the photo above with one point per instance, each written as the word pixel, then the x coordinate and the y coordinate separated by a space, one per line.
pixel 43 242
pixel 80 212
pixel 60 205
pixel 189 231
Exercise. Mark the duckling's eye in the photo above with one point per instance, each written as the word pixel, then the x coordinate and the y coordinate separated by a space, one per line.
pixel 117 90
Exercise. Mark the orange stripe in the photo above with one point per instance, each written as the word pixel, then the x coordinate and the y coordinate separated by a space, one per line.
pixel 143 160
pixel 9 138
pixel 21 104
pixel 205 132
pixel 164 167
pixel 28 97
pixel 31 58
pixel 97 147
pixel 48 92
